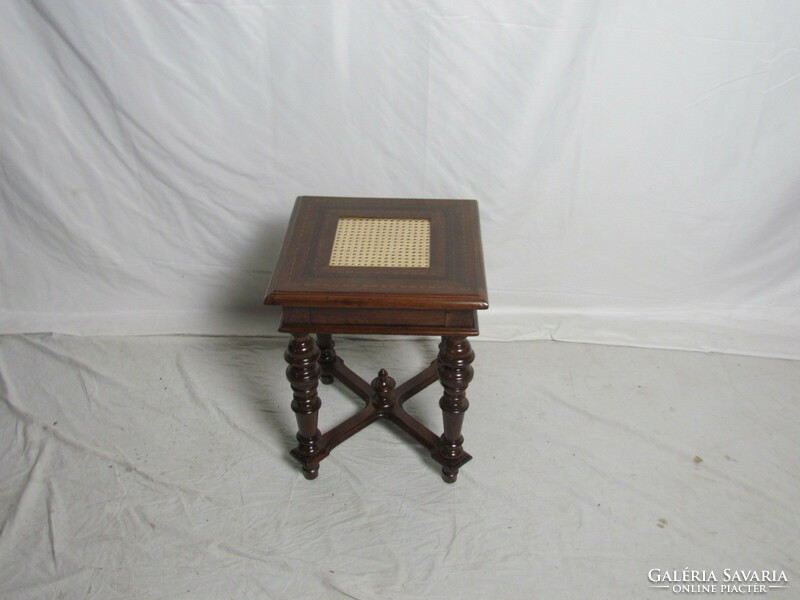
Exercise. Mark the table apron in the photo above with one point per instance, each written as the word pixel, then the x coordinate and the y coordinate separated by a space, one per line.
pixel 379 320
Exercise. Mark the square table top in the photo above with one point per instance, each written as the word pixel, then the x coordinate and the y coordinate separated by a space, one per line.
pixel 381 253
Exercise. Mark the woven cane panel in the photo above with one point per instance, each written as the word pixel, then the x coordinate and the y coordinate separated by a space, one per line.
pixel 364 242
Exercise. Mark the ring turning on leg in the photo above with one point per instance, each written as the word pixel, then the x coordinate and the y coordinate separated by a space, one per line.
pixel 303 374
pixel 455 373
pixel 383 399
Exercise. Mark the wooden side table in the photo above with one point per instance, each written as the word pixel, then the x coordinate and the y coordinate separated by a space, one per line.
pixel 380 266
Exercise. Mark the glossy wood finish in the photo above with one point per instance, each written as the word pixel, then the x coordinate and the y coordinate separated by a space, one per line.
pixel 455 373
pixel 382 321
pixel 327 355
pixel 383 399
pixel 455 279
pixel 303 374
pixel 441 299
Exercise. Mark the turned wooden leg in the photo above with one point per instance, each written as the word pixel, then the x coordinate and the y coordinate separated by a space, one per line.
pixel 303 374
pixel 327 355
pixel 455 373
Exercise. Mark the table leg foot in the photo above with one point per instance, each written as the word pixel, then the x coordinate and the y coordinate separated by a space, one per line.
pixel 310 473
pixel 449 475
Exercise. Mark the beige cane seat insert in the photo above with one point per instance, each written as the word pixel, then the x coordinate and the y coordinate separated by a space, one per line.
pixel 366 242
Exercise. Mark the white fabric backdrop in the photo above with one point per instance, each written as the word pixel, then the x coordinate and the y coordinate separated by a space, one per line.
pixel 636 162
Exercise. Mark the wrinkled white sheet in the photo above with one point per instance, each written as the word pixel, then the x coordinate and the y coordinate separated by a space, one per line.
pixel 158 467
pixel 636 162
